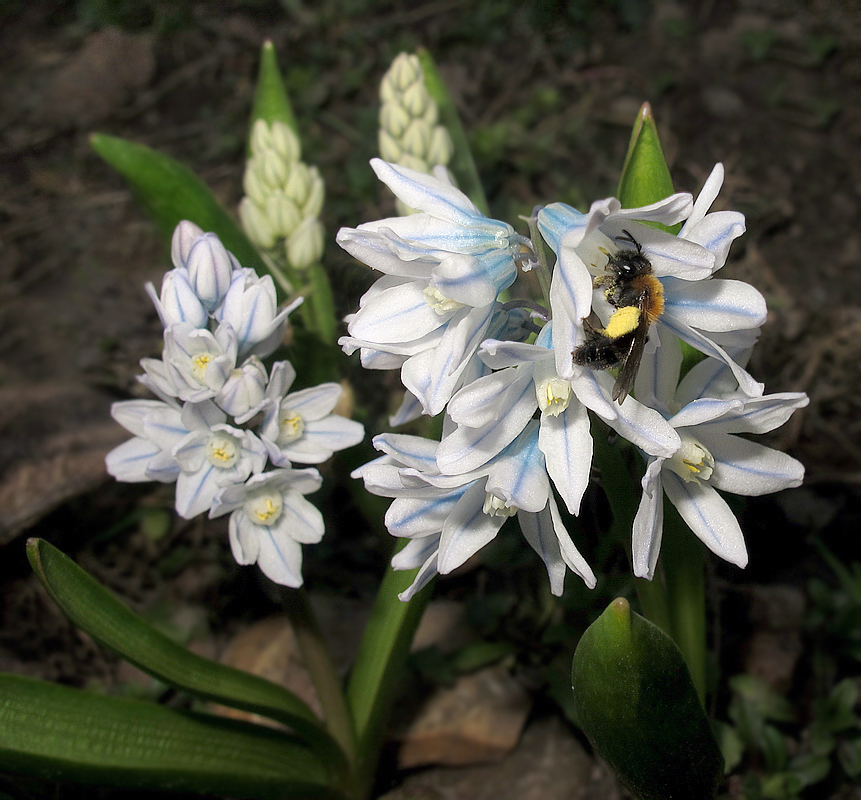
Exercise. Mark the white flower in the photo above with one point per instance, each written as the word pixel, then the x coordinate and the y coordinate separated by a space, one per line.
pixel 184 236
pixel 157 426
pixel 271 520
pixel 444 268
pixel 300 426
pixel 695 306
pixel 250 308
pixel 448 519
pixel 493 410
pixel 196 364
pixel 707 415
pixel 211 456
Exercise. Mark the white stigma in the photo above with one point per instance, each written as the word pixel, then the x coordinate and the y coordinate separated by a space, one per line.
pixel 692 461
pixel 264 509
pixel 496 507
pixel 554 395
pixel 439 302
pixel 222 450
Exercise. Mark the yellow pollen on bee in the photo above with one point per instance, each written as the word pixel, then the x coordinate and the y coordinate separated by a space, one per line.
pixel 623 321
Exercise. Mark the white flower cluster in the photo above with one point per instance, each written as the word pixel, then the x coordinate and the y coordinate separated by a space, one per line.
pixel 221 417
pixel 516 433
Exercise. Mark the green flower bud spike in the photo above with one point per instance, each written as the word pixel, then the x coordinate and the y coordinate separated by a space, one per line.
pixel 635 701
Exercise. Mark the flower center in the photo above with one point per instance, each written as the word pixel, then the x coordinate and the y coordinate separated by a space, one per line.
pixel 265 509
pixel 222 450
pixel 291 426
pixel 199 363
pixel 439 302
pixel 495 507
pixel 692 461
pixel 554 395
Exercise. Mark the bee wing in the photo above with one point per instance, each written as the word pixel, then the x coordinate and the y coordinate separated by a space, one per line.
pixel 633 357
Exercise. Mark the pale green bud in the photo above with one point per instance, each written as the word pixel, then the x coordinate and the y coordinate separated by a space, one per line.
pixel 431 114
pixel 272 169
pixel 417 138
pixel 416 99
pixel 316 194
pixel 390 150
pixel 261 137
pixel 394 118
pixel 305 246
pixel 256 225
pixel 441 148
pixel 298 183
pixel 286 142
pixel 414 162
pixel 405 71
pixel 253 184
pixel 283 214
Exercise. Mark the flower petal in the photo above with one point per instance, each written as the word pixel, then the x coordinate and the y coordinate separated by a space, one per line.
pixel 566 443
pixel 648 525
pixel 538 530
pixel 751 469
pixel 466 530
pixel 708 516
pixel 714 305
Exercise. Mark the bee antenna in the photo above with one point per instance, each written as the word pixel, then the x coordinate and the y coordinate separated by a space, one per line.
pixel 629 238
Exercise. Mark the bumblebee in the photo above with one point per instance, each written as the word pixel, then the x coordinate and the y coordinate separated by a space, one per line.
pixel 638 297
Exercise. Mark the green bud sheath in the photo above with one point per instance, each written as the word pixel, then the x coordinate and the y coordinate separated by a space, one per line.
pixel 635 700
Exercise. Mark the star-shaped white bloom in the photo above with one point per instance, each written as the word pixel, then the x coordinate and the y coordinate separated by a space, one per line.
pixel 270 520
pixel 300 426
pixel 450 518
pixel 492 411
pixel 708 412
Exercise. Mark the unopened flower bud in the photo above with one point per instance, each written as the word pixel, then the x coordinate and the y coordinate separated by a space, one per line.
pixel 183 238
pixel 390 150
pixel 256 224
pixel 298 184
pixel 243 392
pixel 209 270
pixel 282 213
pixel 285 142
pixel 305 246
pixel 261 137
pixel 178 301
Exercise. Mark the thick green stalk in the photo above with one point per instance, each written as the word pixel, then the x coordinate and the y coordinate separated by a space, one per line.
pixel 683 556
pixel 318 662
pixel 375 679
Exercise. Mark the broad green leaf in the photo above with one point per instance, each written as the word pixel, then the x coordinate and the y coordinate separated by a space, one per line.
pixel 60 733
pixel 636 702
pixel 97 612
pixel 271 102
pixel 645 175
pixel 169 193
pixel 462 164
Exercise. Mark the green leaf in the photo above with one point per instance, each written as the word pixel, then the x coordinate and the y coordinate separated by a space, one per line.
pixel 645 175
pixel 169 193
pixel 637 704
pixel 97 612
pixel 730 743
pixel 462 164
pixel 849 755
pixel 271 102
pixel 60 733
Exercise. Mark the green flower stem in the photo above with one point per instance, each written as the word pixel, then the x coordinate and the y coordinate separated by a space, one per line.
pixel 623 495
pixel 683 557
pixel 318 662
pixel 376 674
